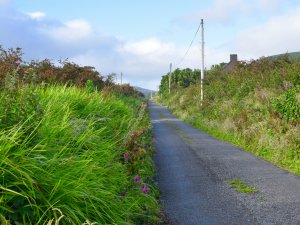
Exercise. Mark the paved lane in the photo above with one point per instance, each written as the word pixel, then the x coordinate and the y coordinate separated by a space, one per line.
pixel 193 173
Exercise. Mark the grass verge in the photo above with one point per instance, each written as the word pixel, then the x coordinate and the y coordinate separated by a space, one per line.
pixel 72 156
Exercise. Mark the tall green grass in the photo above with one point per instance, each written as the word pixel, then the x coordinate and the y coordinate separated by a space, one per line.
pixel 61 158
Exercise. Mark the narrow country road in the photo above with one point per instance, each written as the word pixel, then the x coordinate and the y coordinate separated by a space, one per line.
pixel 193 173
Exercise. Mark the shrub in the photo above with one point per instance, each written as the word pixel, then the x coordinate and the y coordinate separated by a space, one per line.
pixel 287 104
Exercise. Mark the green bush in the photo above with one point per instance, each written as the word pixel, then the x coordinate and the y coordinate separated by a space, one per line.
pixel 287 104
pixel 18 105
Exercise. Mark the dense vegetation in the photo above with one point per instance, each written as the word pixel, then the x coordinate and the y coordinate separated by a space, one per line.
pixel 255 105
pixel 73 150
pixel 47 72
pixel 180 78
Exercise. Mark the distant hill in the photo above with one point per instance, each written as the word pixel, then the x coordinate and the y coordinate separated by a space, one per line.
pixel 292 56
pixel 146 92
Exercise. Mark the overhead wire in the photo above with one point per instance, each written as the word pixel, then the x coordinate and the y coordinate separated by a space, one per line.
pixel 192 42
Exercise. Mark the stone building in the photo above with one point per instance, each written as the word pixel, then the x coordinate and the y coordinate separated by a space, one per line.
pixel 233 61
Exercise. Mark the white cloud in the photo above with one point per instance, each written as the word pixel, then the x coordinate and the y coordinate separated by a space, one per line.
pixel 147 53
pixel 144 62
pixel 70 32
pixel 278 35
pixel 36 15
pixel 147 47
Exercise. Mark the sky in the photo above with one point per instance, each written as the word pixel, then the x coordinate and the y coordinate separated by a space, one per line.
pixel 141 38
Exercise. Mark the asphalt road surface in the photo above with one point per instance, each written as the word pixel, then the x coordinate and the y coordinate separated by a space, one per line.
pixel 193 173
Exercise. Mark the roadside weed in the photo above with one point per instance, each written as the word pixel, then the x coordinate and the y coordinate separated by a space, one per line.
pixel 241 186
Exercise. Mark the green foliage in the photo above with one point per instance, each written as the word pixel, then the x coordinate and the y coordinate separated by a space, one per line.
pixel 72 159
pixel 241 186
pixel 18 105
pixel 288 105
pixel 62 147
pixel 45 71
pixel 90 86
pixel 14 71
pixel 179 78
pixel 293 56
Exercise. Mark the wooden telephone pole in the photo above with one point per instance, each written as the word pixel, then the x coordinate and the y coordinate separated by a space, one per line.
pixel 170 78
pixel 202 59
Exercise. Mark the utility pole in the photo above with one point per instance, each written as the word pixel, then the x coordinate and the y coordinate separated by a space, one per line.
pixel 121 77
pixel 170 78
pixel 202 66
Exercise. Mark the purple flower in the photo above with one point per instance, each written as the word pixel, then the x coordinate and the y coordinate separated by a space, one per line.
pixel 126 155
pixel 136 179
pixel 123 194
pixel 145 188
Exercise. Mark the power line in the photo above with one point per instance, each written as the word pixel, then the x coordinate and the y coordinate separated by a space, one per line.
pixel 192 42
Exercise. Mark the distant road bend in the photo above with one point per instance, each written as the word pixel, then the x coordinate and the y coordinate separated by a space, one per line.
pixel 193 173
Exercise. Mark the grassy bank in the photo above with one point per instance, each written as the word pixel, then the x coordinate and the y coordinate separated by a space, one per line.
pixel 256 106
pixel 74 156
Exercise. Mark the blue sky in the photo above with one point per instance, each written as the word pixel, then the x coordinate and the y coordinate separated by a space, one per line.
pixel 140 38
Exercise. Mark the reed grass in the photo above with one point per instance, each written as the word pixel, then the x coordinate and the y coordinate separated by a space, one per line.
pixel 61 162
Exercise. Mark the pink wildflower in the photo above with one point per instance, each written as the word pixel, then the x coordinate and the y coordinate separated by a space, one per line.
pixel 136 179
pixel 126 155
pixel 145 188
